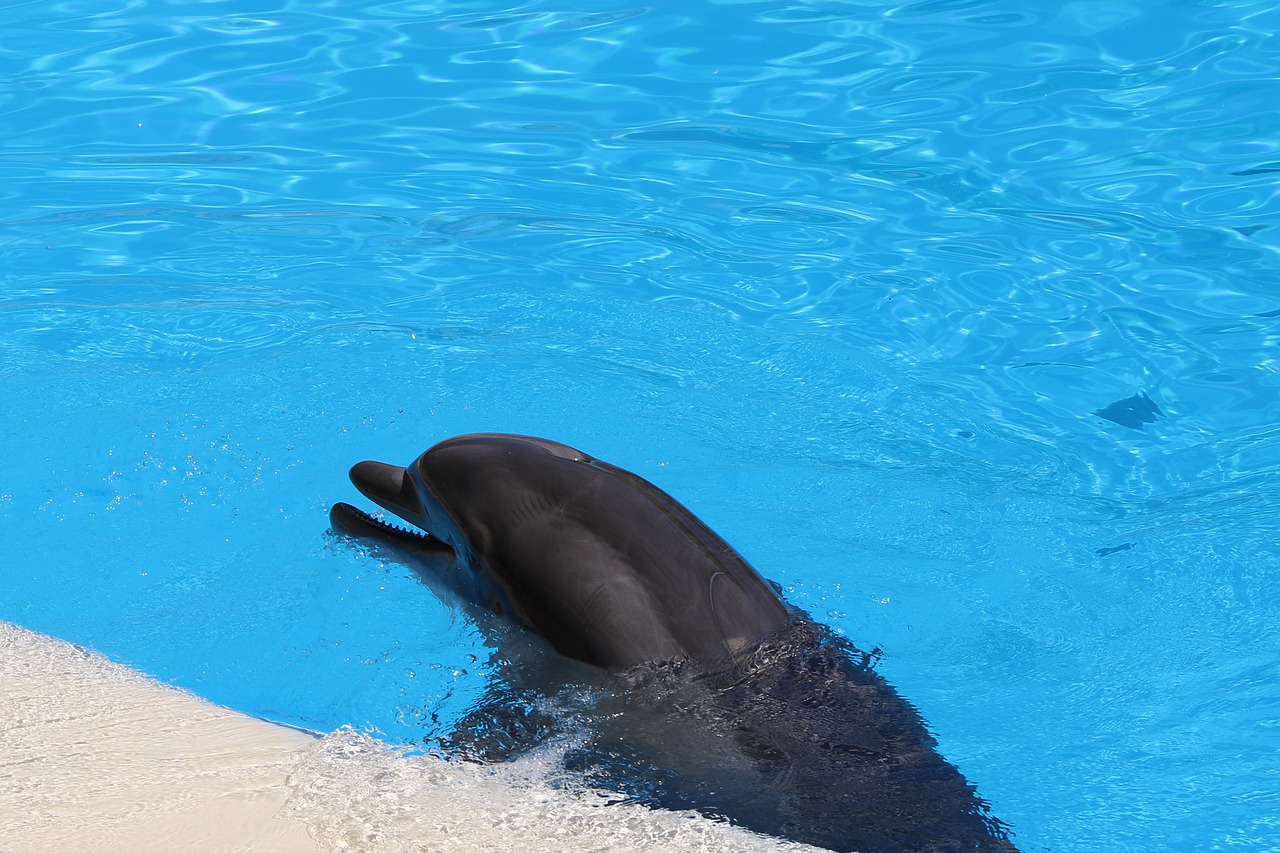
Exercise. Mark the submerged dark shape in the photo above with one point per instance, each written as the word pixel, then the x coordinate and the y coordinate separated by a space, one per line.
pixel 1132 412
pixel 705 689
pixel 1107 552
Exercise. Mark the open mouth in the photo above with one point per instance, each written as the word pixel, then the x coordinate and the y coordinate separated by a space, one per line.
pixel 354 521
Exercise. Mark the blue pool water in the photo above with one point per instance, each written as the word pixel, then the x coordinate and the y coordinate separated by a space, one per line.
pixel 960 319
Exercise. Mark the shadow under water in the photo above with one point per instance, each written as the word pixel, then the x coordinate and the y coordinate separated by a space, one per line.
pixel 800 739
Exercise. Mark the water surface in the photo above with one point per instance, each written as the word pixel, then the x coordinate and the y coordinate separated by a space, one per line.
pixel 958 319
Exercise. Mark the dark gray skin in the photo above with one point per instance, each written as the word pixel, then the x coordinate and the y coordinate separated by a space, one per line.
pixel 723 698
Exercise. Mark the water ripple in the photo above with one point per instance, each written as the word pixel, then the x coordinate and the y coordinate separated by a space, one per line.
pixel 956 240
pixel 935 181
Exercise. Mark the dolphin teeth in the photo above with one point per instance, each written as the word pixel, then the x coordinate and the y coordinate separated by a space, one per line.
pixel 393 528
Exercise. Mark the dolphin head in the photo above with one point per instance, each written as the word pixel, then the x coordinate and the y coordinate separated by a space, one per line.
pixel 455 495
pixel 603 564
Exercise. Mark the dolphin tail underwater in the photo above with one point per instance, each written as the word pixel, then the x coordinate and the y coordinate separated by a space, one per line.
pixel 708 691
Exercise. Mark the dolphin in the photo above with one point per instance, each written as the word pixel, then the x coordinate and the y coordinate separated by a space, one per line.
pixel 711 692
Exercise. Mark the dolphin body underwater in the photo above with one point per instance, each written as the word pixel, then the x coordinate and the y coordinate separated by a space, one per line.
pixel 707 691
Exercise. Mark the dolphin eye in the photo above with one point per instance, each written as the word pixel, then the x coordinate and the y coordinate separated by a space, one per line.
pixel 495 605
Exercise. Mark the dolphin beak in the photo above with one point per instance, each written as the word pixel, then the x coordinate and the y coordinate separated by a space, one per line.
pixel 390 487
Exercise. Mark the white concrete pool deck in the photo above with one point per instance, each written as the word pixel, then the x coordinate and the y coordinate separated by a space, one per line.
pixel 95 758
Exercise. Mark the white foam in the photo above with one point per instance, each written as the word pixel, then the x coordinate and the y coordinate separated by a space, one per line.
pixel 356 793
pixel 95 757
